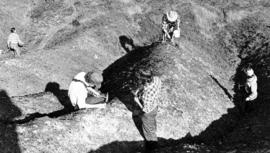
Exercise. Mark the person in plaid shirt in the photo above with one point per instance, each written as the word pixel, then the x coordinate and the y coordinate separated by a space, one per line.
pixel 146 97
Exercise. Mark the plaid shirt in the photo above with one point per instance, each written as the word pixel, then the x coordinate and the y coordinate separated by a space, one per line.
pixel 149 95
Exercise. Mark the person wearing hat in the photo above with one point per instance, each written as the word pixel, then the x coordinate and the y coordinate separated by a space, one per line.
pixel 170 26
pixel 14 42
pixel 144 117
pixel 83 91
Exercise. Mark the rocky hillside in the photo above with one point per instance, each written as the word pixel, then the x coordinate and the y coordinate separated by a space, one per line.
pixel 199 107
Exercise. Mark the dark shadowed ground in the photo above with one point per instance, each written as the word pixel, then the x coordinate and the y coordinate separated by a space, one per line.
pixel 8 134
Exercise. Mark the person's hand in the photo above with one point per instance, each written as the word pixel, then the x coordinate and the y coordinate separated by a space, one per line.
pixel 248 99
pixel 107 97
pixel 136 99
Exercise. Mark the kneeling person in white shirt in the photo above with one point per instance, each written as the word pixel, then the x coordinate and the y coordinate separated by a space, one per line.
pixel 82 91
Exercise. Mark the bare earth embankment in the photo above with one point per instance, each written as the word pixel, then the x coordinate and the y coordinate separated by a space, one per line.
pixel 198 112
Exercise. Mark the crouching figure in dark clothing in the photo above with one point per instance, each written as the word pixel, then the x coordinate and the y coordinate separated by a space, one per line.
pixel 145 117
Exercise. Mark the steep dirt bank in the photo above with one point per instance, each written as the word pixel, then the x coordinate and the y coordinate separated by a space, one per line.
pixel 251 38
pixel 70 36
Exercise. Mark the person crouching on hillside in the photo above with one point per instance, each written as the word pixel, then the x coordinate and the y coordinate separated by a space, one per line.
pixel 83 91
pixel 250 87
pixel 14 42
pixel 170 26
pixel 145 118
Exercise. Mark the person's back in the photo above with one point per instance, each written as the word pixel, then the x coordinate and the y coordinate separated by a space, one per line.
pixel 82 93
pixel 13 38
pixel 150 94
pixel 77 90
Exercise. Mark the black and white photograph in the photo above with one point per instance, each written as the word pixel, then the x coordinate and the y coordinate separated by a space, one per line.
pixel 134 76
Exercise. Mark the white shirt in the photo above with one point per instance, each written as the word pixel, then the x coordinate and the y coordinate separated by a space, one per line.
pixel 251 88
pixel 77 91
pixel 14 38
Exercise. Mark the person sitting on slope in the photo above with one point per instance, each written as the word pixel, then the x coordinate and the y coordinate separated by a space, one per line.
pixel 83 91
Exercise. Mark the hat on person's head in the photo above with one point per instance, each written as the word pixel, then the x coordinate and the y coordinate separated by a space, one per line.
pixel 250 72
pixel 12 29
pixel 172 16
pixel 93 77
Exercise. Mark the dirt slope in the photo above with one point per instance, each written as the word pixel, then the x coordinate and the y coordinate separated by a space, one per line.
pixel 70 36
pixel 176 118
pixel 198 113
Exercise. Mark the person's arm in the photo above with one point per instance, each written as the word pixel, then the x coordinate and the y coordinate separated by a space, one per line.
pixel 8 42
pixel 166 33
pixel 254 92
pixel 165 26
pixel 136 98
pixel 19 40
pixel 94 92
pixel 178 24
pixel 82 104
pixel 164 22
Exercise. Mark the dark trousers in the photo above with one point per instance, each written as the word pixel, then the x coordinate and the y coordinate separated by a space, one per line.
pixel 147 126
pixel 249 106
pixel 244 106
